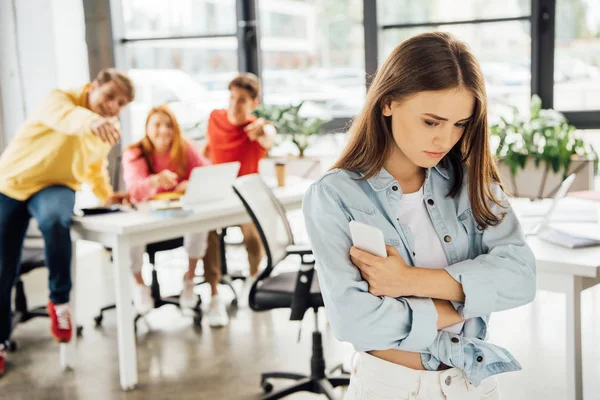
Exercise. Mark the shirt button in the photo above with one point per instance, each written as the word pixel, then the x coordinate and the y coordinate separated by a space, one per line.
pixel 454 340
pixel 447 239
pixel 479 359
pixel 395 188
pixel 448 381
pixel 414 254
pixel 430 202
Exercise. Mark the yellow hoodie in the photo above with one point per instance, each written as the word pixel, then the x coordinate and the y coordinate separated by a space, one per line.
pixel 56 146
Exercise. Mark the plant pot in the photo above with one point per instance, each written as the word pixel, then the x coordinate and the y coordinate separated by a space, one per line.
pixel 529 182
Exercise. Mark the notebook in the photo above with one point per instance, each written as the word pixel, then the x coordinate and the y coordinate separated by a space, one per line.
pixel 567 239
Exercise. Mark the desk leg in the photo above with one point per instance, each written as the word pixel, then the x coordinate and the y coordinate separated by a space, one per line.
pixel 125 331
pixel 574 358
pixel 67 350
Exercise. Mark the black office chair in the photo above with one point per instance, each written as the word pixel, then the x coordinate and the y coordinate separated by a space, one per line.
pixel 151 249
pixel 298 290
pixel 31 259
pixel 159 300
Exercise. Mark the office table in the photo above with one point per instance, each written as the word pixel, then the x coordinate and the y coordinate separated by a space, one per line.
pixel 122 230
pixel 569 271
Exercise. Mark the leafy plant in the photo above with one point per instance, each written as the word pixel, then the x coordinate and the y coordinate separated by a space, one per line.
pixel 291 125
pixel 542 135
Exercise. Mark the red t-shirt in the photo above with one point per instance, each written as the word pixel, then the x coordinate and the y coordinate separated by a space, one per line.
pixel 228 143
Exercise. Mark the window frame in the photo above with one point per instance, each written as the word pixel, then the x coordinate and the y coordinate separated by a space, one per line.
pixel 543 24
pixel 542 21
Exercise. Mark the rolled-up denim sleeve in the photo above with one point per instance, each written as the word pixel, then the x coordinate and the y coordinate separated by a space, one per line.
pixel 502 278
pixel 368 322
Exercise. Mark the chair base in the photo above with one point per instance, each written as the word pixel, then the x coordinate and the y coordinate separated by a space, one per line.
pixel 304 384
pixel 318 382
pixel 159 301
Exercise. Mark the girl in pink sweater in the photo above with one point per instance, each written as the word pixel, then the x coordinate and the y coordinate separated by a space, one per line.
pixel 162 162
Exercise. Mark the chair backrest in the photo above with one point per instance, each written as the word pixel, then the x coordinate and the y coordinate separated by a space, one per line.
pixel 268 215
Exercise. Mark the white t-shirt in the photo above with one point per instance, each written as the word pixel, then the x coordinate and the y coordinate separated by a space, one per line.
pixel 428 250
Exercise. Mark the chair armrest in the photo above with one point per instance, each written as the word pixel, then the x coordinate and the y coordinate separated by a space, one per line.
pixel 299 249
pixel 301 296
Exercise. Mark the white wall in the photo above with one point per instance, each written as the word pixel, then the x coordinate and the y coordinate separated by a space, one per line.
pixel 42 47
pixel 10 75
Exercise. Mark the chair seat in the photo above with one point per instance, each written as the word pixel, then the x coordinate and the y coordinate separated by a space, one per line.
pixel 32 258
pixel 277 291
pixel 164 245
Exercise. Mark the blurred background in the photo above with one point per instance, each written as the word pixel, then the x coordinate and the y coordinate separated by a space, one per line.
pixel 321 52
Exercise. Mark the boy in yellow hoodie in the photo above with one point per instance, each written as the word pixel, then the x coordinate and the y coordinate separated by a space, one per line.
pixel 64 143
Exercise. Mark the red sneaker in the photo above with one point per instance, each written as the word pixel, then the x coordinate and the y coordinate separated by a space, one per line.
pixel 2 360
pixel 60 322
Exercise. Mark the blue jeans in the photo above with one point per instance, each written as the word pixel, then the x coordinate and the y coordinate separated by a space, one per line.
pixel 52 207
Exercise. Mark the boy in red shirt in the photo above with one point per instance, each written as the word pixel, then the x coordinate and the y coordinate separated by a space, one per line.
pixel 234 134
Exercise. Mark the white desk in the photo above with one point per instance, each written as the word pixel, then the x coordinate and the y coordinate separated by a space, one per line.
pixel 122 230
pixel 569 271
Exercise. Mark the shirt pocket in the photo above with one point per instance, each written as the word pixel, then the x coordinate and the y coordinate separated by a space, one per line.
pixel 474 233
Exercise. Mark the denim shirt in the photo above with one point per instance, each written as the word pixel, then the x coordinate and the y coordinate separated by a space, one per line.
pixel 494 265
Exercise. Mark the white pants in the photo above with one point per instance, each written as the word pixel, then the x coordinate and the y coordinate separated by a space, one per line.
pixel 376 379
pixel 195 244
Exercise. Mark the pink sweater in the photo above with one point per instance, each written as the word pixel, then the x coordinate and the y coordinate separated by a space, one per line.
pixel 137 176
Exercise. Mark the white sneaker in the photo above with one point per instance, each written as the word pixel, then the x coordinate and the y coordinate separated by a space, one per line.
pixel 217 313
pixel 188 299
pixel 142 299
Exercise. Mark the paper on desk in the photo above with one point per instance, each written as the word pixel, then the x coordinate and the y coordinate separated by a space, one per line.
pixel 566 238
pixel 567 210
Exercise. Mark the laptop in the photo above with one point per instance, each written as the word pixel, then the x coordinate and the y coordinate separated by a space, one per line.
pixel 210 184
pixel 534 227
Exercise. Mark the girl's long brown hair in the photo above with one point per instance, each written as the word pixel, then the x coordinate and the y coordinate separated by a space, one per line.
pixel 177 152
pixel 428 62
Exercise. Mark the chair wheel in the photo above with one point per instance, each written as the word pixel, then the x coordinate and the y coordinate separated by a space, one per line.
pixel 198 320
pixel 79 331
pixel 98 320
pixel 267 387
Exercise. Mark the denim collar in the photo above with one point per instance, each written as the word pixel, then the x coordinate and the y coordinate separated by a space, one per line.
pixel 383 179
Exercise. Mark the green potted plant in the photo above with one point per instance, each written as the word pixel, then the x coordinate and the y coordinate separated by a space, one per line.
pixel 537 150
pixel 291 125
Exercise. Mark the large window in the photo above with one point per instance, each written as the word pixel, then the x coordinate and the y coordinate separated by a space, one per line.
pixel 169 18
pixel 391 12
pixel 313 52
pixel 497 32
pixel 577 55
pixel 180 52
pixel 549 46
pixel 185 51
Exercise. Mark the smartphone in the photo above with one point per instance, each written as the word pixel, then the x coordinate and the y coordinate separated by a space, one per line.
pixel 368 238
